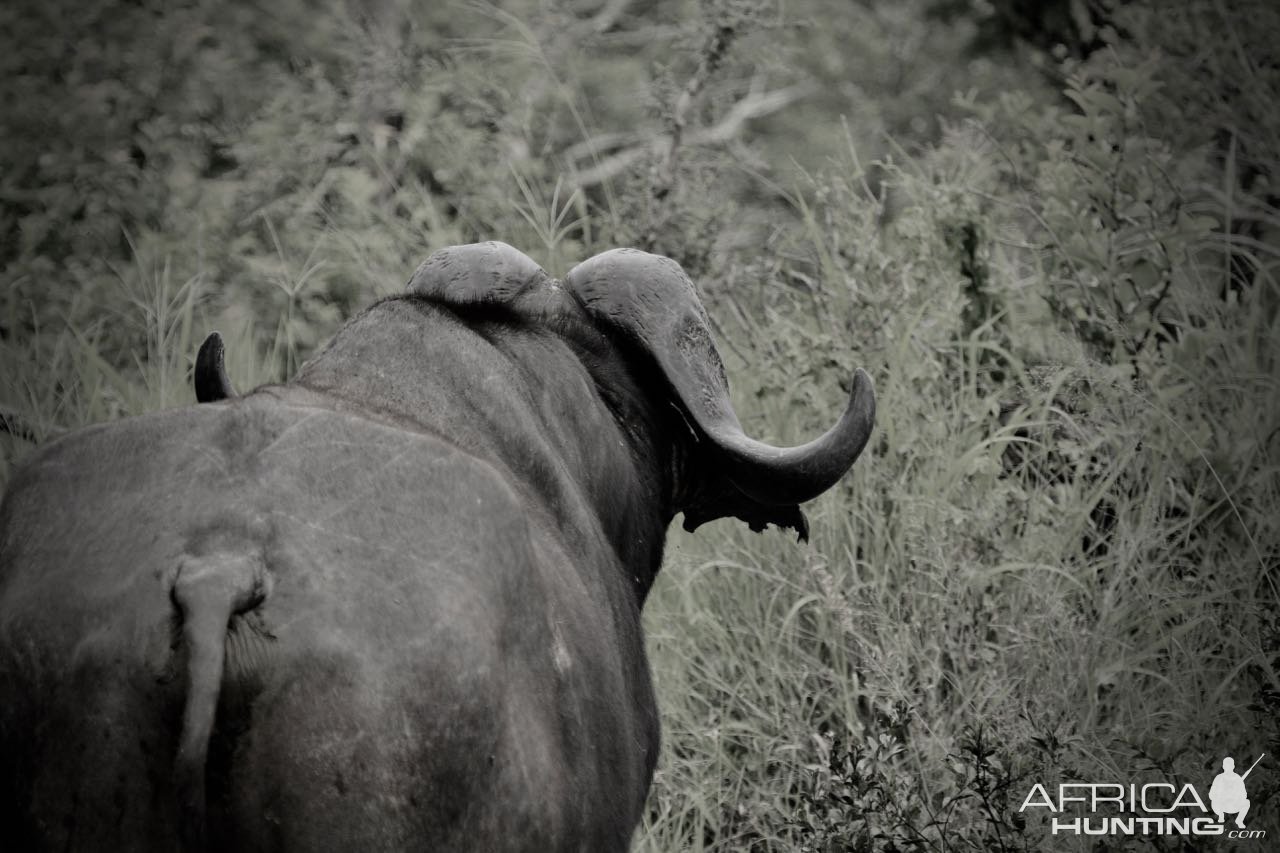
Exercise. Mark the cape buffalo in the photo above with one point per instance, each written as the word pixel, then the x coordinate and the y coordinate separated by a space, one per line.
pixel 393 603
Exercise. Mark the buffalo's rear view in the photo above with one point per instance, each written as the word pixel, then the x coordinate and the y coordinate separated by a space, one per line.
pixel 395 602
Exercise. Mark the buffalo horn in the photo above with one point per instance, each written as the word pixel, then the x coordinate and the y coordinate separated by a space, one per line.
pixel 211 380
pixel 650 300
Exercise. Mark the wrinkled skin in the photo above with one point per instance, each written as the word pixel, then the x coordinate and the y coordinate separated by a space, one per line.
pixel 393 604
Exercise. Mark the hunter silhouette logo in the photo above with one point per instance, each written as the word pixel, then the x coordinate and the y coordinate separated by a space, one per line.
pixel 1227 794
pixel 1147 808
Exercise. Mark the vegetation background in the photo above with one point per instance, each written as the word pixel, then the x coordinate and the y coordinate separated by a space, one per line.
pixel 1051 231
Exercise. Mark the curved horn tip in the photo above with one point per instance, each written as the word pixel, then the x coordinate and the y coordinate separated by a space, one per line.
pixel 863 390
pixel 213 342
pixel 210 375
pixel 862 403
pixel 859 415
pixel 777 476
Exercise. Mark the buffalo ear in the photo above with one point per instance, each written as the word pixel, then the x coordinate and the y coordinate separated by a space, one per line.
pixel 210 376
pixel 649 301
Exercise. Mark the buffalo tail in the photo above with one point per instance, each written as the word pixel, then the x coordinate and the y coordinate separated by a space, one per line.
pixel 207 591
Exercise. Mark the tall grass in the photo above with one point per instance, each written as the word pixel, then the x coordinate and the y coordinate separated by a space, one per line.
pixel 1049 565
pixel 1057 559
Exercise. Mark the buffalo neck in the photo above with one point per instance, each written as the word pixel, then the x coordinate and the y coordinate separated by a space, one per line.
pixel 569 427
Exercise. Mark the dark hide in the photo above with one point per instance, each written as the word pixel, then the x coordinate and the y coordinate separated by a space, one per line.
pixel 391 605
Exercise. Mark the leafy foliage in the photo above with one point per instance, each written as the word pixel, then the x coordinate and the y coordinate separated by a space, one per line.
pixel 1058 558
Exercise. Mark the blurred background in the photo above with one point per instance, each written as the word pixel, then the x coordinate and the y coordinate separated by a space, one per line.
pixel 1051 232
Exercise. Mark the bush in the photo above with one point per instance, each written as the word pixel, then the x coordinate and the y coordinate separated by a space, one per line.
pixel 1058 557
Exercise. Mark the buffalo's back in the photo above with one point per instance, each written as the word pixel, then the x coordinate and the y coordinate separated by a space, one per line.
pixel 427 648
